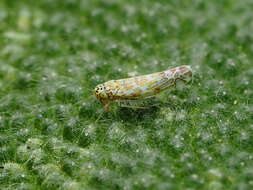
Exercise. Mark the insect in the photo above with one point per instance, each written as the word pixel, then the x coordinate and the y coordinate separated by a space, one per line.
pixel 141 87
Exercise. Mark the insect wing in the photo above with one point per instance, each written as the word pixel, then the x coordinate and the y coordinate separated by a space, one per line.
pixel 140 87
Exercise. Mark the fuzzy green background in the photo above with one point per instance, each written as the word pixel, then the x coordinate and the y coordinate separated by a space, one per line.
pixel 54 134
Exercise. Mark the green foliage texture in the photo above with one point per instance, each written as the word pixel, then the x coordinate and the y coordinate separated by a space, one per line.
pixel 54 134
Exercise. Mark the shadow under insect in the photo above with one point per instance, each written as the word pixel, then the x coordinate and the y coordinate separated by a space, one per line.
pixel 138 111
pixel 130 115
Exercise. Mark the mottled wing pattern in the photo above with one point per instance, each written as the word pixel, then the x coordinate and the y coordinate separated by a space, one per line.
pixel 137 87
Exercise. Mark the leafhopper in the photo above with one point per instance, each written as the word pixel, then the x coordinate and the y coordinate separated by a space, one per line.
pixel 141 87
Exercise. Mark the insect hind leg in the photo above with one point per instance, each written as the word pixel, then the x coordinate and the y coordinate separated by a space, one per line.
pixel 138 104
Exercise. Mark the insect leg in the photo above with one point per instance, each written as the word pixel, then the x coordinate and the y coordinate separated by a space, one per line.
pixel 138 104
pixel 107 107
pixel 136 107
